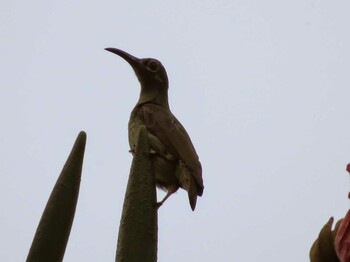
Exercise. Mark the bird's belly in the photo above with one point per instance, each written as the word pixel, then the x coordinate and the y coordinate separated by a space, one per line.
pixel 164 172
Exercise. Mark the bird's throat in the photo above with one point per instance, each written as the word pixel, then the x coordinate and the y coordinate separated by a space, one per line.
pixel 153 96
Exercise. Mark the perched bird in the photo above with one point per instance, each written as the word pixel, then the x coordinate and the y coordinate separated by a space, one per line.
pixel 175 161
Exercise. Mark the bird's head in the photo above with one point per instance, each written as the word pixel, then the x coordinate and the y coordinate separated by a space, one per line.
pixel 151 75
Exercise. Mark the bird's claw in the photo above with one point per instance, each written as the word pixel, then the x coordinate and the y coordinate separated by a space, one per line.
pixel 167 156
pixel 158 205
pixel 132 150
pixel 152 151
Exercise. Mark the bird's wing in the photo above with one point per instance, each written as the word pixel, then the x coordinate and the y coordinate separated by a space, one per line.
pixel 163 124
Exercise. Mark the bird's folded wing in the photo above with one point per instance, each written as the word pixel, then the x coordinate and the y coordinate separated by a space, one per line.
pixel 163 124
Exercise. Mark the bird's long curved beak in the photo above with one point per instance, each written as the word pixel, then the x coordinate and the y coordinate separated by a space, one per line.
pixel 132 60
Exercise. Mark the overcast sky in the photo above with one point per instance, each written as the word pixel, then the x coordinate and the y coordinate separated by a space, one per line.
pixel 262 87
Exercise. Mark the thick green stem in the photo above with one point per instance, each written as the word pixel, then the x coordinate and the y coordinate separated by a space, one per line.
pixel 53 231
pixel 138 230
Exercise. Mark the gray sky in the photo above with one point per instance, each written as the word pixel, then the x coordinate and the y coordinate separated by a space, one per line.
pixel 262 87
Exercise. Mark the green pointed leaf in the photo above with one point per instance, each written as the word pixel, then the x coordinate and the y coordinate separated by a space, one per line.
pixel 137 238
pixel 53 231
pixel 323 248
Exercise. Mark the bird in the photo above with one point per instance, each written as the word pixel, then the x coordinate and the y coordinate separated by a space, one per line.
pixel 174 158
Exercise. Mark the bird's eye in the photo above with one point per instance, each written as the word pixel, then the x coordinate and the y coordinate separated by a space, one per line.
pixel 153 65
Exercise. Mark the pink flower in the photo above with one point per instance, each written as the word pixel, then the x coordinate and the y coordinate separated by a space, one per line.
pixel 342 237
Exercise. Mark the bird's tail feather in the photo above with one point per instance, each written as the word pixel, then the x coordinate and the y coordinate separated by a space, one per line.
pixel 192 193
pixel 188 183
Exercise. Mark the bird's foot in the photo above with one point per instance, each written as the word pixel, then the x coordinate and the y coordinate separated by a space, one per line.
pixel 167 156
pixel 132 150
pixel 152 152
pixel 158 204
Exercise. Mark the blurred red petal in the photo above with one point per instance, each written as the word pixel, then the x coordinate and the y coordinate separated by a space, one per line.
pixel 342 239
